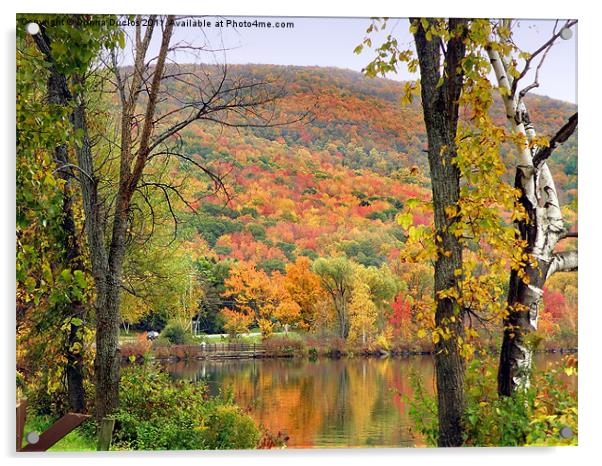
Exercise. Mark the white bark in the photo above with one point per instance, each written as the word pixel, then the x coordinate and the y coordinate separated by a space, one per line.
pixel 539 190
pixel 563 262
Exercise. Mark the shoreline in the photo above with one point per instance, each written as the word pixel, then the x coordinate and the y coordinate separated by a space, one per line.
pixel 335 354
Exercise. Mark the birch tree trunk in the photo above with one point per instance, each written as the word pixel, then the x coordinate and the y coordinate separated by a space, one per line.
pixel 440 108
pixel 540 231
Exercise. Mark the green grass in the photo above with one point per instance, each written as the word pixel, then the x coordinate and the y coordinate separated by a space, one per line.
pixel 76 440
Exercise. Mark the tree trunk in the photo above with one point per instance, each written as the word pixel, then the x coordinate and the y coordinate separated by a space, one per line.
pixel 107 265
pixel 440 108
pixel 106 362
pixel 108 359
pixel 341 308
pixel 516 355
pixel 75 363
pixel 540 232
pixel 59 94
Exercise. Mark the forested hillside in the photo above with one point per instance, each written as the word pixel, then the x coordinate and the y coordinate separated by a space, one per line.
pixel 327 186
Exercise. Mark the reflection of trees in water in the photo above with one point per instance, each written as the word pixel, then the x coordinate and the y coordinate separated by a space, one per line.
pixel 329 402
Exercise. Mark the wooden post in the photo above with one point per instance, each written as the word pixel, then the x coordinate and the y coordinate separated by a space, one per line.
pixel 21 411
pixel 105 434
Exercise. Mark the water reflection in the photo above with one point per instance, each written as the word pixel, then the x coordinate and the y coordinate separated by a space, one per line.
pixel 325 403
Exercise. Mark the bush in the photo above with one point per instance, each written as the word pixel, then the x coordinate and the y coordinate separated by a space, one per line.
pixel 157 413
pixel 176 335
pixel 534 417
pixel 227 427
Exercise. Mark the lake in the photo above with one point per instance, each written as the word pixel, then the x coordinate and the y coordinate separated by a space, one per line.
pixel 327 403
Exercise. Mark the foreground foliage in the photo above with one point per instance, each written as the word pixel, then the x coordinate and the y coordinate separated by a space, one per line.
pixel 532 418
pixel 157 413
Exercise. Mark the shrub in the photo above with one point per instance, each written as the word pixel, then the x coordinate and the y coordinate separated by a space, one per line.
pixel 227 427
pixel 266 327
pixel 157 413
pixel 383 342
pixel 176 334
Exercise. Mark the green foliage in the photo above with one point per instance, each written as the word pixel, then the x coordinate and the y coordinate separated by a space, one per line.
pixel 423 411
pixel 364 251
pixel 75 41
pixel 229 428
pixel 52 285
pixel 288 249
pixel 271 265
pixel 533 417
pixel 309 253
pixel 157 413
pixel 212 275
pixel 215 210
pixel 257 230
pixel 175 334
pixel 211 228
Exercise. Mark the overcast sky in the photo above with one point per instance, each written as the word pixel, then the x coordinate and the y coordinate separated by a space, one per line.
pixel 330 42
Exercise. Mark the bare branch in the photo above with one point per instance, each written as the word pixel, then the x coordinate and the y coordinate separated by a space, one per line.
pixel 67 166
pixel 147 127
pixel 568 234
pixel 561 136
pixel 544 48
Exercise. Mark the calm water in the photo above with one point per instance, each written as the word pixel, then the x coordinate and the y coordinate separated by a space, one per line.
pixel 325 403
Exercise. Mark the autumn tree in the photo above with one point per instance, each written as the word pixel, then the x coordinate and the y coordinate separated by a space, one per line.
pixel 336 275
pixel 441 79
pixel 304 288
pixel 440 50
pixel 287 313
pixel 251 295
pixel 476 218
pixel 258 298
pixel 400 317
pixel 542 227
pixel 362 314
pixel 55 54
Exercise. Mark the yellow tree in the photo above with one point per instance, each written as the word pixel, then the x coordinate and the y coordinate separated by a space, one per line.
pixel 362 314
pixel 261 298
pixel 304 288
pixel 287 313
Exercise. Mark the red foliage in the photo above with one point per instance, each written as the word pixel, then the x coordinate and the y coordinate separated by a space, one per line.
pixel 554 303
pixel 401 313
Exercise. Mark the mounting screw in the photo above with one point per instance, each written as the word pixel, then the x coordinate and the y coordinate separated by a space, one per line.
pixel 566 432
pixel 32 28
pixel 566 33
pixel 32 437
